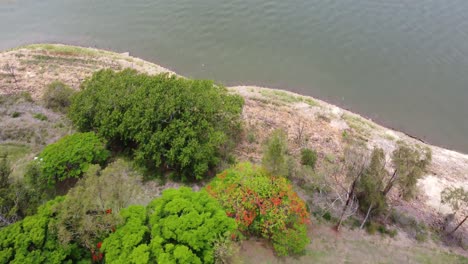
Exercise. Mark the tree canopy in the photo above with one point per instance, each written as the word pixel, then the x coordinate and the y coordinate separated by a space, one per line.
pixel 181 226
pixel 169 122
pixel 31 240
pixel 410 163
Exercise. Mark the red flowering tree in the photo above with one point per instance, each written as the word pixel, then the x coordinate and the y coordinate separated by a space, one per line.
pixel 263 205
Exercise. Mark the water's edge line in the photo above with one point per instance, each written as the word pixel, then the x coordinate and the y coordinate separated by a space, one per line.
pixel 126 55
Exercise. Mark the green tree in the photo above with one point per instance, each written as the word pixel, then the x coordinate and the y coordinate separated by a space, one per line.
pixel 370 186
pixel 169 122
pixel 181 226
pixel 70 157
pixel 410 164
pixel 355 162
pixel 457 199
pixel 275 154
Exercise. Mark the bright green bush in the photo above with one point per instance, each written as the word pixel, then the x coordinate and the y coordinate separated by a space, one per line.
pixel 32 241
pixel 308 157
pixel 57 96
pixel 181 226
pixel 129 243
pixel 263 205
pixel 71 156
pixel 169 122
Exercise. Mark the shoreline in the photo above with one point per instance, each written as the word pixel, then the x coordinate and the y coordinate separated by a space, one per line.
pixel 36 65
pixel 111 52
pixel 325 126
pixel 172 71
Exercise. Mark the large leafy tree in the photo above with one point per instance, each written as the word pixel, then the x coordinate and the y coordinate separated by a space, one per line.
pixel 181 226
pixel 169 122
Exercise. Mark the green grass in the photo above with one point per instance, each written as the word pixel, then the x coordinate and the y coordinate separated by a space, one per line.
pixel 66 50
pixel 287 97
pixel 439 257
pixel 351 247
pixel 14 151
pixel 359 124
pixel 266 101
pixel 37 59
pixel 40 116
pixel 17 157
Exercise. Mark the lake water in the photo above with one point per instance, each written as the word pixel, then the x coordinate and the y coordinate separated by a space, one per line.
pixel 402 63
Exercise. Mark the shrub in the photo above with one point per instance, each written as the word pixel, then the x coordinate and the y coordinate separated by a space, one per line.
pixel 327 216
pixel 71 156
pixel 16 200
pixel 57 96
pixel 275 154
pixel 32 241
pixel 129 243
pixel 264 206
pixel 169 122
pixel 226 251
pixel 251 138
pixel 181 226
pixel 91 209
pixel 372 227
pixel 16 114
pixel 308 157
pixel 39 185
pixel 40 116
pixel 26 96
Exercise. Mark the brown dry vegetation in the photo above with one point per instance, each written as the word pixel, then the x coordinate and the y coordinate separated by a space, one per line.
pixel 308 122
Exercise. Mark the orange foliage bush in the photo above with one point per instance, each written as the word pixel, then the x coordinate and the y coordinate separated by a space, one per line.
pixel 263 205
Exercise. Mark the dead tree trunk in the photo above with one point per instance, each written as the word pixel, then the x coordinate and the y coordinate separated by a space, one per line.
pixel 367 216
pixel 390 183
pixel 348 201
pixel 461 223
